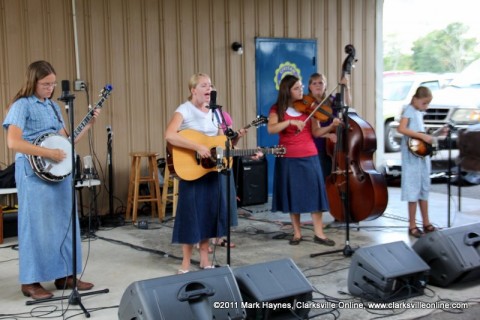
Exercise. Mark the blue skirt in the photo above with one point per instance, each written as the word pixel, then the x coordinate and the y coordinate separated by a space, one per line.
pixel 45 226
pixel 299 186
pixel 202 209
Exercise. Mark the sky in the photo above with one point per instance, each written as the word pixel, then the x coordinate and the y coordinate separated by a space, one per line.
pixel 412 19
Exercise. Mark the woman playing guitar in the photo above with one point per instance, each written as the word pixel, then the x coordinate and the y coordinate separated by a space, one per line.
pixel 202 208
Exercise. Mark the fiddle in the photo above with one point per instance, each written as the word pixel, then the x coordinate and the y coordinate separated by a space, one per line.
pixel 321 112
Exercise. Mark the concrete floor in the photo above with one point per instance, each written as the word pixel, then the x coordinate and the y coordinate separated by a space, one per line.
pixel 117 257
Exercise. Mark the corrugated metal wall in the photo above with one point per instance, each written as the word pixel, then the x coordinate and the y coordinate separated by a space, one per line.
pixel 148 49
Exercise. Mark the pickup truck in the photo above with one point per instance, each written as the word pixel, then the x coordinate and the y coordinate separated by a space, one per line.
pixel 456 105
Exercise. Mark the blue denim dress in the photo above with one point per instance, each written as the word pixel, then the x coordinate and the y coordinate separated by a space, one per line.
pixel 44 208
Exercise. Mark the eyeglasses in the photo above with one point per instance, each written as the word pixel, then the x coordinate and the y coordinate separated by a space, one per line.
pixel 48 85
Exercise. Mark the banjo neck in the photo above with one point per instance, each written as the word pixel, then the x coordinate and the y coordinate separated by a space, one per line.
pixel 103 96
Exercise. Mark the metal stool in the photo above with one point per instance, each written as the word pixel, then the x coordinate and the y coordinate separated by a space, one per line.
pixel 151 179
pixel 168 196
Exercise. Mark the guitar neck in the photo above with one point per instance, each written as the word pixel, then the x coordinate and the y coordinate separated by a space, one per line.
pixel 251 152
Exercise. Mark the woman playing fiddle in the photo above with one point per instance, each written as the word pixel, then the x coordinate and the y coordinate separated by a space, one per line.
pixel 298 175
pixel 317 89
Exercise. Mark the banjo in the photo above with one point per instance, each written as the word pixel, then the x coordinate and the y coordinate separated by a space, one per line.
pixel 49 170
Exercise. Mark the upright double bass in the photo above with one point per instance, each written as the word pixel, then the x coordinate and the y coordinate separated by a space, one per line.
pixel 355 190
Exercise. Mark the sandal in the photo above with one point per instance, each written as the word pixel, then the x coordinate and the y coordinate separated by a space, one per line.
pixel 326 241
pixel 181 271
pixel 223 243
pixel 415 232
pixel 429 228
pixel 210 266
pixel 295 241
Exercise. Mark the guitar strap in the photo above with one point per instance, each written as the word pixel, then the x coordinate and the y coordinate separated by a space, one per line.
pixel 222 122
pixel 57 115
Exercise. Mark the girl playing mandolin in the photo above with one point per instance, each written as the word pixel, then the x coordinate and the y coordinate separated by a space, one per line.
pixel 416 170
pixel 45 207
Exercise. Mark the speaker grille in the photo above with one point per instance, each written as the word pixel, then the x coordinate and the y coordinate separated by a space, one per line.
pixel 452 254
pixel 387 272
pixel 251 180
pixel 192 295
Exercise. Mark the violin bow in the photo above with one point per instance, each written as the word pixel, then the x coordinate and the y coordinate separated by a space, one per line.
pixel 321 104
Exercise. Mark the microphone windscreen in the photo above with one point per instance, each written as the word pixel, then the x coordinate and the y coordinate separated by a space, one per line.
pixel 65 86
pixel 213 97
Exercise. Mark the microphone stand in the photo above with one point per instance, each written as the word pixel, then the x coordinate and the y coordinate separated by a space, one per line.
pixel 227 171
pixel 449 177
pixel 229 207
pixel 75 297
pixel 347 249
pixel 344 194
pixel 110 169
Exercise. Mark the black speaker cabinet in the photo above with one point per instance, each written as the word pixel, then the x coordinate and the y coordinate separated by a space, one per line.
pixel 205 294
pixel 251 180
pixel 452 254
pixel 387 272
pixel 274 290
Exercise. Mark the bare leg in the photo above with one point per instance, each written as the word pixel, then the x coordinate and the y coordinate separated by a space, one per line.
pixel 412 211
pixel 204 262
pixel 187 255
pixel 423 204
pixel 297 232
pixel 318 224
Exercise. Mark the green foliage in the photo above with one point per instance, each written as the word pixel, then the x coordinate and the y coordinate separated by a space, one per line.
pixel 440 51
pixel 399 62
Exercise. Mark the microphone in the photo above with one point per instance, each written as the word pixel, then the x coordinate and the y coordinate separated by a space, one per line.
pixel 66 96
pixel 88 169
pixel 213 100
pixel 109 134
pixel 219 152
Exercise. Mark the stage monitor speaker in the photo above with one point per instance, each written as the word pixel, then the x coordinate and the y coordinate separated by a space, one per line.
pixel 387 272
pixel 274 290
pixel 453 254
pixel 251 180
pixel 206 294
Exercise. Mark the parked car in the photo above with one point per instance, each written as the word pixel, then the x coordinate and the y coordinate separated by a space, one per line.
pixel 398 89
pixel 457 105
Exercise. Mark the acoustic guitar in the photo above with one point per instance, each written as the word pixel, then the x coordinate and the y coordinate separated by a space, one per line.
pixel 188 165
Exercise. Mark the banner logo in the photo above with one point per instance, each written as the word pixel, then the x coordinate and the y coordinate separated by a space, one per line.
pixel 285 69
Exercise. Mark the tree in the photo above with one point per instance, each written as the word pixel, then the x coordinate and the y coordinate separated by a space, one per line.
pixel 446 50
pixel 394 59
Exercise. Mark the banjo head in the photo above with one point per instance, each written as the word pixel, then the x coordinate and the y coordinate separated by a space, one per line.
pixel 55 171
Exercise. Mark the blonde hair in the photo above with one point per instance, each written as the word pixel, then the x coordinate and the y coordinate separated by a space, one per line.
pixel 193 82
pixel 422 92
pixel 314 77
